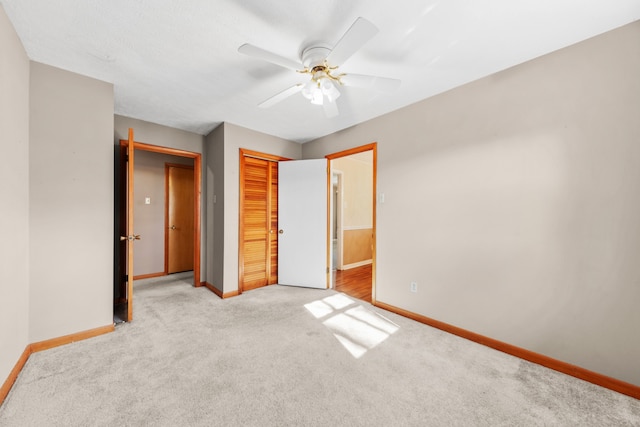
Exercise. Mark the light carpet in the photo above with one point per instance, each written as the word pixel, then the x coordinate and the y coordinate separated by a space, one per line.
pixel 286 356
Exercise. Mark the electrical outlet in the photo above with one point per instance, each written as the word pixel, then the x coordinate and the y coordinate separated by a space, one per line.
pixel 414 287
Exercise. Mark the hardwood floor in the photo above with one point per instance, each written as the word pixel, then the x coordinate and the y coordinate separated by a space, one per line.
pixel 355 282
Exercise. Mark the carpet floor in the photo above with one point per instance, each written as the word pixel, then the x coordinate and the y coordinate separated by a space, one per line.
pixel 286 356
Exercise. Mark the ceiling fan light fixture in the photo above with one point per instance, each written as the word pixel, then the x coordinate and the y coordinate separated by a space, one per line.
pixel 318 87
pixel 317 97
pixel 311 90
pixel 329 89
pixel 307 89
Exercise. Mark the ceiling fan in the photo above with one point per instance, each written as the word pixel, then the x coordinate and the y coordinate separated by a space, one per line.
pixel 321 63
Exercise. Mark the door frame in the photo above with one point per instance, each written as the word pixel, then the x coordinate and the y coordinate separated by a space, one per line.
pixel 166 209
pixel 258 155
pixel 373 147
pixel 197 188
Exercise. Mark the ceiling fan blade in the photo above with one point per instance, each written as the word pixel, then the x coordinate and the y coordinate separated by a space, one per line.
pixel 265 55
pixel 330 109
pixel 382 84
pixel 360 32
pixel 280 96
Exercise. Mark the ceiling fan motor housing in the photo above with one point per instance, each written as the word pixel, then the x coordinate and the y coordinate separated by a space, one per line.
pixel 314 56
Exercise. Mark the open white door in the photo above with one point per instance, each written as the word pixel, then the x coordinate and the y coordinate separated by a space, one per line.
pixel 302 223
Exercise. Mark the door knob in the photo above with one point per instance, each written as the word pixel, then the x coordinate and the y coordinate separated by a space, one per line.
pixel 173 227
pixel 132 237
pixel 281 231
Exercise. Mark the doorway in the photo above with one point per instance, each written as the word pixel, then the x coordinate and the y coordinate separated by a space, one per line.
pixel 124 210
pixel 178 226
pixel 353 219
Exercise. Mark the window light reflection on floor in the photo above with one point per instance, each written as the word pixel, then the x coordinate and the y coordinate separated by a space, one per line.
pixel 357 328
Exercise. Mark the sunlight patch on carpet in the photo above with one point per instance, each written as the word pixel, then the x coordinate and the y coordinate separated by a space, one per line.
pixel 328 305
pixel 355 327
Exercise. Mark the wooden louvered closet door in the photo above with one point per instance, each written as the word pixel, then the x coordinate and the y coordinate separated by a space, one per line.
pixel 259 223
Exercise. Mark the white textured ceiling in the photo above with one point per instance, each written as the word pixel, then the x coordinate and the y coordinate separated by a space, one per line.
pixel 175 62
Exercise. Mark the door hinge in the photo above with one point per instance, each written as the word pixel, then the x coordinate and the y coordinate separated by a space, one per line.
pixel 327 270
pixel 126 157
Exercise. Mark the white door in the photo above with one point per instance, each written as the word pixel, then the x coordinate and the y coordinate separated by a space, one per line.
pixel 302 223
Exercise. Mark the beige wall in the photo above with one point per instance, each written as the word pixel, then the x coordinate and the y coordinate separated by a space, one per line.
pixel 155 134
pixel 70 203
pixel 214 176
pixel 149 219
pixel 14 196
pixel 163 136
pixel 513 202
pixel 357 186
pixel 236 137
